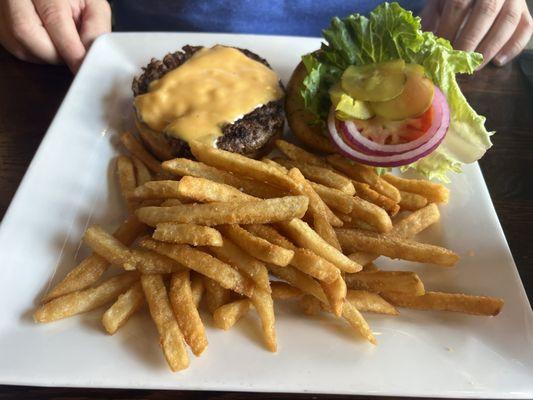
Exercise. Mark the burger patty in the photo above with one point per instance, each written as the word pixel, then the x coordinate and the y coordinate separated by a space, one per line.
pixel 249 135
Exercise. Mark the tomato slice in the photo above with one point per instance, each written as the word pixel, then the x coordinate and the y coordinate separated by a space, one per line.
pixel 383 131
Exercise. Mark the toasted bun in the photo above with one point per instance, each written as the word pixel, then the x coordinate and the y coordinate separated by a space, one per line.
pixel 299 119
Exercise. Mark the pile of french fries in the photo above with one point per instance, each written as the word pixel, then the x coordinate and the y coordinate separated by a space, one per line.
pixel 227 234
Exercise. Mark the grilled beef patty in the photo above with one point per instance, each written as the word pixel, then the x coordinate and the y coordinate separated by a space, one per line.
pixel 252 135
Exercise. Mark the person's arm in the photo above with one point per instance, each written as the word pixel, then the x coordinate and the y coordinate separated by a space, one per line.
pixel 52 31
pixel 498 29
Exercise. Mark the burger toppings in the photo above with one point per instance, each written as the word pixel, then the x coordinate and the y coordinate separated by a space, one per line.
pixel 385 92
pixel 213 88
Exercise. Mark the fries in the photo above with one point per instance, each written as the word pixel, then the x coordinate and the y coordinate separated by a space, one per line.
pixel 249 266
pixel 171 338
pixel 305 237
pixel 433 192
pixel 229 314
pixel 284 291
pixel 309 305
pixel 364 191
pixel 122 309
pixel 85 300
pixel 357 240
pixel 412 201
pixel 335 293
pixel 142 174
pixel 184 167
pixel 365 301
pixel 334 198
pixel 467 304
pixel 386 281
pixel 204 264
pixel 126 179
pixel 322 175
pixel 91 269
pixel 195 235
pixel 156 190
pixel 155 141
pixel 138 151
pixel 239 164
pixel 256 246
pixel 317 267
pixel 263 304
pixel 246 212
pixel 186 313
pixel 296 153
pixel 407 227
pixel 371 214
pixel 365 174
pixel 109 247
pixel 197 288
pixel 206 191
pixel 215 295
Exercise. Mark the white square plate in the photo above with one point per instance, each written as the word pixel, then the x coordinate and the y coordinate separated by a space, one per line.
pixel 70 184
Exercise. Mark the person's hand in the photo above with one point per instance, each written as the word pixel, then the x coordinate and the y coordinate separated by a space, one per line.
pixel 52 31
pixel 498 29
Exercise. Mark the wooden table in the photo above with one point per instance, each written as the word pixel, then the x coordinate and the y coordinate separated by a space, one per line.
pixel 30 95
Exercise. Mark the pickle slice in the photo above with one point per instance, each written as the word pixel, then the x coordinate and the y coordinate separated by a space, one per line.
pixel 375 82
pixel 415 99
pixel 346 107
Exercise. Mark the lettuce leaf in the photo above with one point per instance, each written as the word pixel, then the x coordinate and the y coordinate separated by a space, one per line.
pixel 389 33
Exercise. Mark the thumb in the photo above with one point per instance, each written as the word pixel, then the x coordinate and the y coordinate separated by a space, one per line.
pixel 96 20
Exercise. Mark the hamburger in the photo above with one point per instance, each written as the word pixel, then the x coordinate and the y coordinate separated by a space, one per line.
pixel 228 97
pixel 384 93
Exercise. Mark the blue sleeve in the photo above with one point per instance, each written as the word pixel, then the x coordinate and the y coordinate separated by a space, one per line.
pixel 279 17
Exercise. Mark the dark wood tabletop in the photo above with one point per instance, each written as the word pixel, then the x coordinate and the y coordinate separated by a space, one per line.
pixel 30 95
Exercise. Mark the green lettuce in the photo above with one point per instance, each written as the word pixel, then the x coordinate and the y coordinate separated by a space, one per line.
pixel 389 33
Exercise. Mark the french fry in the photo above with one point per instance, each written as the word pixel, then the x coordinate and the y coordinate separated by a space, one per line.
pixel 241 165
pixel 296 153
pixel 91 268
pixel 353 240
pixel 275 164
pixel 336 294
pixel 165 189
pixel 142 173
pixel 85 300
pixel 195 235
pixel 186 313
pixel 154 140
pixel 202 263
pixel 308 285
pixel 364 191
pixel 197 288
pixel 317 207
pixel 317 267
pixel 171 338
pixel 412 201
pixel 246 212
pixel 215 295
pixel 122 309
pixel 433 192
pixel 334 198
pixel 326 231
pixel 324 176
pixel 150 262
pixel 249 266
pixel 264 305
pixel 256 246
pixel 284 291
pixel 109 247
pixel 371 214
pixel 269 233
pixel 365 174
pixel 137 150
pixel 386 281
pixel 406 228
pixel 366 301
pixel 462 303
pixel 309 305
pixel 229 314
pixel 305 237
pixel 186 167
pixel 172 202
pixel 206 191
pixel 126 179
